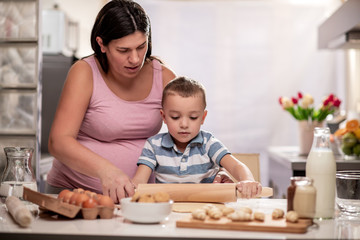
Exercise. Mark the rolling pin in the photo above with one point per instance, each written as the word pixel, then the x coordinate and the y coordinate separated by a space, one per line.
pixel 202 192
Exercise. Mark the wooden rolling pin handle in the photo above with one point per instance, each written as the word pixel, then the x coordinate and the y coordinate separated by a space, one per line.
pixel 266 192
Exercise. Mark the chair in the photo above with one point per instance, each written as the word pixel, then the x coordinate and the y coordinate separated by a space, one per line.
pixel 251 160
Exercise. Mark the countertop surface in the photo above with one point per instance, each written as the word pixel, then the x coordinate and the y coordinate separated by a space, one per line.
pixel 290 158
pixel 46 226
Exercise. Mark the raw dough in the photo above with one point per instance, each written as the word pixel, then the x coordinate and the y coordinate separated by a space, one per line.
pixel 239 216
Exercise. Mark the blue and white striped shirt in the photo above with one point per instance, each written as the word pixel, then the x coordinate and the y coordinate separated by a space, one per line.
pixel 199 163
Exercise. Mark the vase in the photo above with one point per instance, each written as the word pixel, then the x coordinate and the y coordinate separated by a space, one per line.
pixel 306 135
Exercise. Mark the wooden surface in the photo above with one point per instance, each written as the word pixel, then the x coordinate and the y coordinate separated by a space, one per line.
pixel 269 225
pixel 202 192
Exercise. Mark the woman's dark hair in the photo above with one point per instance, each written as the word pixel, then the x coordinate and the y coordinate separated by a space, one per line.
pixel 117 19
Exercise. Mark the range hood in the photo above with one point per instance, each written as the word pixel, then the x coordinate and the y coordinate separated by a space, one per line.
pixel 342 28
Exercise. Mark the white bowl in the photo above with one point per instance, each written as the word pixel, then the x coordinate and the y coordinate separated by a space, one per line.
pixel 145 212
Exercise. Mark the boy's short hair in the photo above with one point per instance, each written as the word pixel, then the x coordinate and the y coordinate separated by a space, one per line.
pixel 184 87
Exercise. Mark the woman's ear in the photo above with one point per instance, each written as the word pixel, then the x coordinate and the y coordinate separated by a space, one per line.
pixel 100 42
pixel 204 116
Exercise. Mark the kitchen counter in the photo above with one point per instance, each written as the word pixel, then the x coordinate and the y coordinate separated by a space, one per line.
pixel 50 227
pixel 285 162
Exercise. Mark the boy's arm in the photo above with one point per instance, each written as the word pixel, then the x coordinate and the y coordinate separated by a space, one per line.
pixel 236 168
pixel 142 174
pixel 246 185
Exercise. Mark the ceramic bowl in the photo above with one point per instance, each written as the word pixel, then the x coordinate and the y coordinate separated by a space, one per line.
pixel 145 212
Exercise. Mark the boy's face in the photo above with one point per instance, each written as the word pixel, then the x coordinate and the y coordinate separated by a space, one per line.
pixel 183 117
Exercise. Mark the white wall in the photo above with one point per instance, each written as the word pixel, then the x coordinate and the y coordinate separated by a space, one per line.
pixel 247 54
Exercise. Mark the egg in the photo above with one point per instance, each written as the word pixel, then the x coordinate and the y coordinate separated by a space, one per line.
pixel 90 193
pixel 82 197
pixel 106 201
pixel 73 198
pixel 98 197
pixel 89 203
pixel 79 190
pixel 62 194
pixel 68 196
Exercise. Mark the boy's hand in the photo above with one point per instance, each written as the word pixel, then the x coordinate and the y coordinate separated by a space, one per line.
pixel 222 177
pixel 249 189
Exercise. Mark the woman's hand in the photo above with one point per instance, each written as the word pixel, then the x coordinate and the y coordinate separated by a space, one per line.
pixel 222 177
pixel 249 189
pixel 117 185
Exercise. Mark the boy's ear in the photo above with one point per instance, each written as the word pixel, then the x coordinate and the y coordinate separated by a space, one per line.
pixel 162 115
pixel 204 116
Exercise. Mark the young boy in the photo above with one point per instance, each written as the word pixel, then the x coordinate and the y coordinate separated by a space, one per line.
pixel 187 154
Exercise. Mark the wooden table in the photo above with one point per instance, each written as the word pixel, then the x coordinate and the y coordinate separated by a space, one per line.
pixel 47 227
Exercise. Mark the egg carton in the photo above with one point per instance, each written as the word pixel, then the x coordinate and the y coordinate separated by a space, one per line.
pixel 53 204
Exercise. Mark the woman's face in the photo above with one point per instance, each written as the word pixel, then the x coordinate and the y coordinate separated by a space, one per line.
pixel 126 55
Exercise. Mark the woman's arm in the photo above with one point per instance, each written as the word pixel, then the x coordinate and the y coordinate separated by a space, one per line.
pixel 63 145
pixel 246 185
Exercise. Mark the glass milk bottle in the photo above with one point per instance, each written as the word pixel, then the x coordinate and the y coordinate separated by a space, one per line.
pixel 321 167
pixel 18 172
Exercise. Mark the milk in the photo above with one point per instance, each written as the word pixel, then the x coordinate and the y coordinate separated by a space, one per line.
pixel 321 167
pixel 305 199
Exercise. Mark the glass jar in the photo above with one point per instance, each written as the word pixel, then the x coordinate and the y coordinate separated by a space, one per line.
pixel 301 197
pixel 18 172
pixel 305 198
pixel 321 167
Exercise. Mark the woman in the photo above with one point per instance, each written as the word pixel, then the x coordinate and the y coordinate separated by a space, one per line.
pixel 109 106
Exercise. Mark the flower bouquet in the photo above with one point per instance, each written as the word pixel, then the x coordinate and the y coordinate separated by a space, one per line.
pixel 301 107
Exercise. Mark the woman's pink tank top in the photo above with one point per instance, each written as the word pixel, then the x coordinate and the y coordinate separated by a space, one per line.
pixel 113 128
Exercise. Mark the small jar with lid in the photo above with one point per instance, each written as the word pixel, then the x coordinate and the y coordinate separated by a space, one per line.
pixel 302 197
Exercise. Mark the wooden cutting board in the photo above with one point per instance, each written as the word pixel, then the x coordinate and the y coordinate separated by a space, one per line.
pixel 269 225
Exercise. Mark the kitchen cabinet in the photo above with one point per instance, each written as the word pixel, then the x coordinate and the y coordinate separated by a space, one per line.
pixel 20 85
pixel 285 162
pixel 341 30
